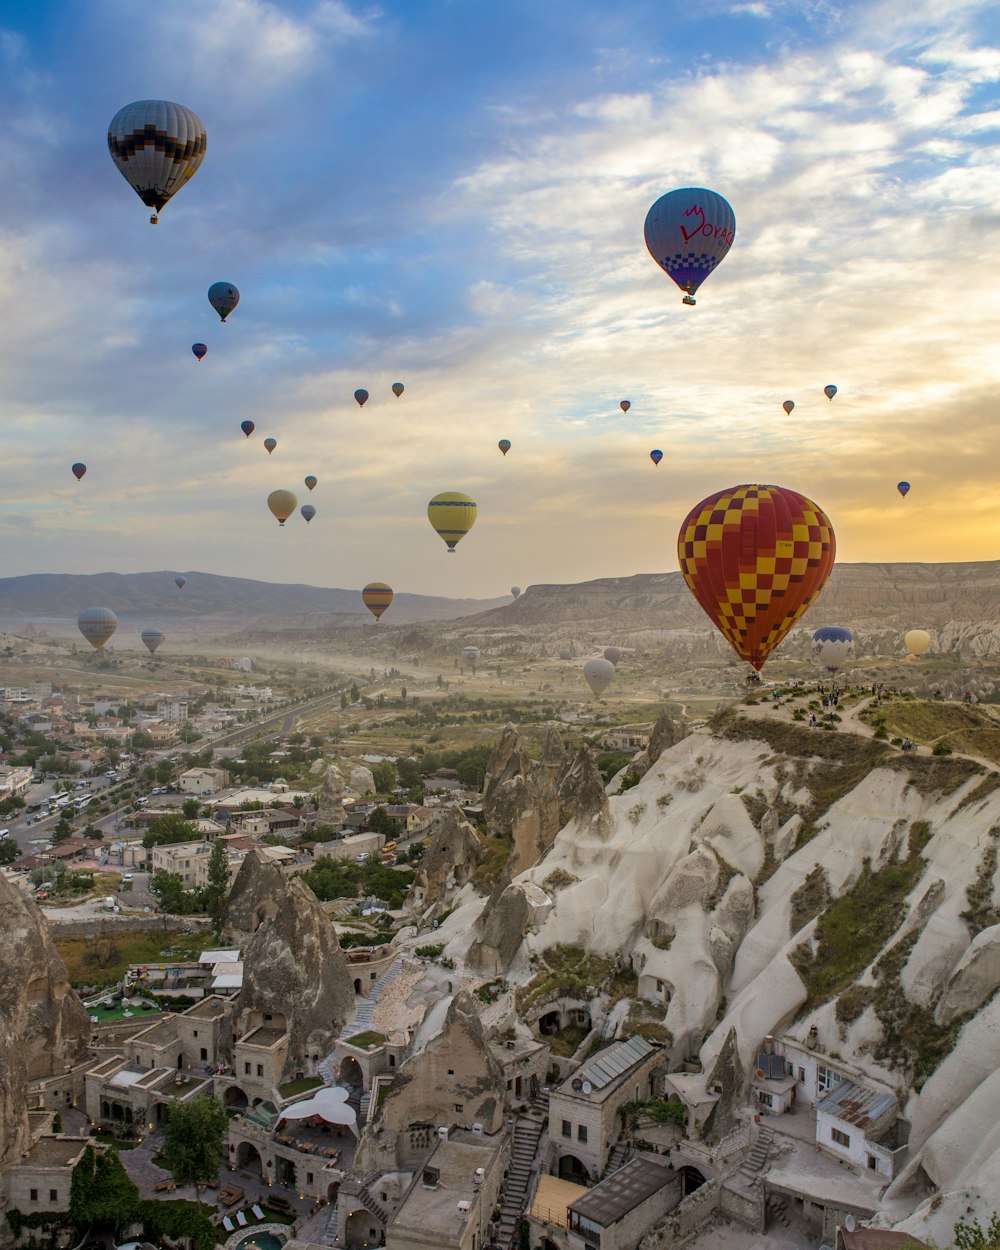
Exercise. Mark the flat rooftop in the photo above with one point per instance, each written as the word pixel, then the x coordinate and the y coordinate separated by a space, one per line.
pixel 596 1079
pixel 265 1035
pixel 435 1211
pixel 623 1191
pixel 207 1009
pixel 54 1152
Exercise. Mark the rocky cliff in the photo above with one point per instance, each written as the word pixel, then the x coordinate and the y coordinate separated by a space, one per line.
pixel 294 967
pixel 453 851
pixel 258 892
pixel 43 1025
pixel 521 797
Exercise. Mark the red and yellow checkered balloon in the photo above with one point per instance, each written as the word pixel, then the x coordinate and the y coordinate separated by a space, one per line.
pixel 755 557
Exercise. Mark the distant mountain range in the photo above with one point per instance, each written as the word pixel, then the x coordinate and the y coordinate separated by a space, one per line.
pixel 207 597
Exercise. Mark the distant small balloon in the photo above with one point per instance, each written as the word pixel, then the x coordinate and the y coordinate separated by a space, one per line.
pixel 308 511
pixel 97 625
pixel 470 655
pixel 223 297
pixel 829 391
pixel 788 405
pixel 270 444
pixel 247 427
pixel 903 488
pixel 613 655
pixel 361 395
pixel 310 482
pixel 377 596
pixel 598 675
pixel 916 642
pixel 397 389
pixel 79 470
pixel 656 455
pixel 180 582
pixel 151 639
pixel 452 515
pixel 282 504
pixel 200 350
pixel 504 445
pixel 516 591
pixel 625 405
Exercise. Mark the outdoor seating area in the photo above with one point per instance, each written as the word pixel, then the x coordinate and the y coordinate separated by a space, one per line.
pixel 229 1195
pixel 309 1144
pixel 239 1219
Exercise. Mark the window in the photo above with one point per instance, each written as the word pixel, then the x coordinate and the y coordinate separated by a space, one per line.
pixel 246 1069
pixel 309 1178
pixel 392 1061
pixel 34 1195
pixel 451 1071
pixel 459 1108
pixel 204 1053
pixel 872 1163
pixel 53 1195
pixel 827 1079
pixel 581 1132
pixel 659 987
pixel 802 1074
pixel 196 1032
pixel 260 1069
pixel 766 1100
pixel 840 1138
pixel 267 1017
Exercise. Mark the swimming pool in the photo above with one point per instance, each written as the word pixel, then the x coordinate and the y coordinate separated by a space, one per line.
pixel 260 1241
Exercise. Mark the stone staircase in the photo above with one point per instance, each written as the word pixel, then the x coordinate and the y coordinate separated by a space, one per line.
pixel 361 1021
pixel 758 1155
pixel 329 1235
pixel 617 1158
pixel 524 1147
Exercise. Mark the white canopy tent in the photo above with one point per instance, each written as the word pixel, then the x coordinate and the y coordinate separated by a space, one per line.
pixel 329 1104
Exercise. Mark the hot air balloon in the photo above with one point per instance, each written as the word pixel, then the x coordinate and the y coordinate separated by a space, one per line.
pixel 270 444
pixel 376 597
pixel 78 470
pixel 565 655
pixel 180 582
pixel 688 232
pixel 308 512
pixel 833 647
pixel 504 445
pixel 903 488
pixel 200 350
pixel 310 482
pixel 223 297
pixel 829 391
pixel 157 146
pixel 247 427
pixel 656 455
pixel 755 557
pixel 916 641
pixel 97 625
pixel 282 504
pixel 598 674
pixel 361 395
pixel 788 405
pixel 152 638
pixel 612 655
pixel 516 591
pixel 452 515
pixel 397 389
pixel 470 655
pixel 625 405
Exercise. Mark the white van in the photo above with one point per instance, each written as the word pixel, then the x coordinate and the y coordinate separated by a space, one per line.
pixel 4 833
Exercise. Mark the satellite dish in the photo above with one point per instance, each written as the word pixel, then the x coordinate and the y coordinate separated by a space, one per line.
pixel 577 1084
pixel 850 1223
pixel 587 1087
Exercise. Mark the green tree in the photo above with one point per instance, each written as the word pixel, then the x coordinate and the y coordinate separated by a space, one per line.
pixel 190 808
pixel 9 851
pixel 101 1191
pixel 141 740
pixel 381 822
pixel 168 889
pixel 217 890
pixel 969 1234
pixel 192 1138
pixel 64 826
pixel 385 776
pixel 355 693
pixel 13 803
pixel 168 830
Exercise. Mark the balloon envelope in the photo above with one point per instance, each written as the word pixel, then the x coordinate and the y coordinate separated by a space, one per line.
pixel 361 395
pixel 916 641
pixel 903 488
pixel 625 405
pixel 598 675
pixel 282 504
pixel 270 444
pixel 833 647
pixel 310 482
pixel 565 655
pixel 504 445
pixel 376 597
pixel 612 655
pixel 200 350
pixel 755 557
pixel 157 146
pixel 308 512
pixel 97 625
pixel 515 591
pixel 223 297
pixel 829 391
pixel 79 470
pixel 470 655
pixel 656 455
pixel 397 389
pixel 152 638
pixel 452 515
pixel 247 427
pixel 688 232
pixel 180 582
pixel 788 405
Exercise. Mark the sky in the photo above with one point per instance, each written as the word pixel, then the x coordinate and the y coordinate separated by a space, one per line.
pixel 451 194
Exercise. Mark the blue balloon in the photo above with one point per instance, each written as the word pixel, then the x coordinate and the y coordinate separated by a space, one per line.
pixel 833 633
pixel 903 488
pixel 688 232
pixel 656 456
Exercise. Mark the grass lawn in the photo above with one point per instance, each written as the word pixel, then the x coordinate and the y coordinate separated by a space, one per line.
pixel 102 960
pixel 366 1039
pixel 291 1088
